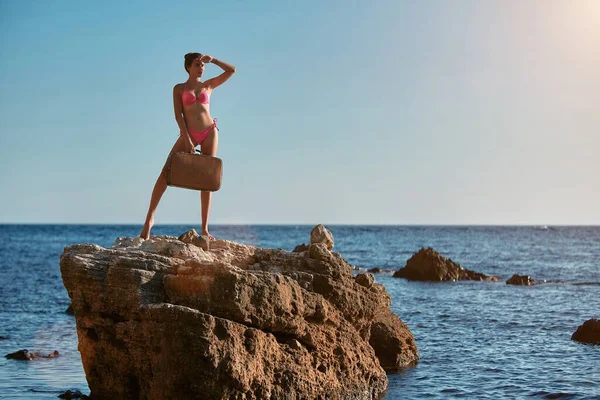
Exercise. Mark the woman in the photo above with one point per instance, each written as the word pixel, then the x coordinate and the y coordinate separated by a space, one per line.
pixel 196 127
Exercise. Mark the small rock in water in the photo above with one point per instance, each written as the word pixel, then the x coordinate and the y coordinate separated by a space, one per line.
pixel 69 310
pixel 375 270
pixel 20 355
pixel 72 394
pixel 589 332
pixel 524 280
pixel 4 337
pixel 26 355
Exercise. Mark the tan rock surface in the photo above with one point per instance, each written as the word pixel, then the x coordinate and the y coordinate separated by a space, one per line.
pixel 164 319
pixel 320 234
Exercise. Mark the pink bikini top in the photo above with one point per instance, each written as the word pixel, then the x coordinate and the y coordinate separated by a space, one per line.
pixel 188 99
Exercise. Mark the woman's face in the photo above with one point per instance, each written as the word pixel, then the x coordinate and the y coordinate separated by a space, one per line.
pixel 197 67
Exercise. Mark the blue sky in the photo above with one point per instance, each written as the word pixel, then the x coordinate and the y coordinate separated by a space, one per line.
pixel 348 112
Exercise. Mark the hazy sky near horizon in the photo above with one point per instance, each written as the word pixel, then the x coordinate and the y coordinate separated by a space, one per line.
pixel 350 112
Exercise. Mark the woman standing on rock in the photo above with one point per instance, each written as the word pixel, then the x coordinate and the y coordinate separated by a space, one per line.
pixel 196 127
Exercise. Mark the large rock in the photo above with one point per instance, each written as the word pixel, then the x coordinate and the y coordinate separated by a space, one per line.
pixel 164 319
pixel 429 265
pixel 589 332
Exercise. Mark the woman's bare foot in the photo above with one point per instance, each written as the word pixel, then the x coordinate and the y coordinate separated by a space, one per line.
pixel 208 235
pixel 146 229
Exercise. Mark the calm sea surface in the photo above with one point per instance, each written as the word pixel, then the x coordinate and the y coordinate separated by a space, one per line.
pixel 476 339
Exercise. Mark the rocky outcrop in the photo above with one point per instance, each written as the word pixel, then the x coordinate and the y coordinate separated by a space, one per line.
pixel 589 332
pixel 429 265
pixel 164 319
pixel 524 280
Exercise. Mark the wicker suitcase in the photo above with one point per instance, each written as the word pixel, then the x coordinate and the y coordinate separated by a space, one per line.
pixel 194 171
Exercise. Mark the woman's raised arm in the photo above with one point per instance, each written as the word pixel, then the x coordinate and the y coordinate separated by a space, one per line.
pixel 221 79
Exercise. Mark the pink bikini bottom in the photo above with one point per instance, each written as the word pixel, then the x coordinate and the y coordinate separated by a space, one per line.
pixel 199 137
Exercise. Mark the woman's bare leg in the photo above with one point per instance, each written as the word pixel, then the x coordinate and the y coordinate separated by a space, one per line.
pixel 209 148
pixel 159 188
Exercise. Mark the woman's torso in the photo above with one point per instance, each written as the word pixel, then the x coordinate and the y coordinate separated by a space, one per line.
pixel 197 115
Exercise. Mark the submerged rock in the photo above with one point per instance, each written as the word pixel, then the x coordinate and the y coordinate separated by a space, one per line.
pixel 377 270
pixel 165 319
pixel 588 333
pixel 526 280
pixel 27 356
pixel 72 394
pixel 429 265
